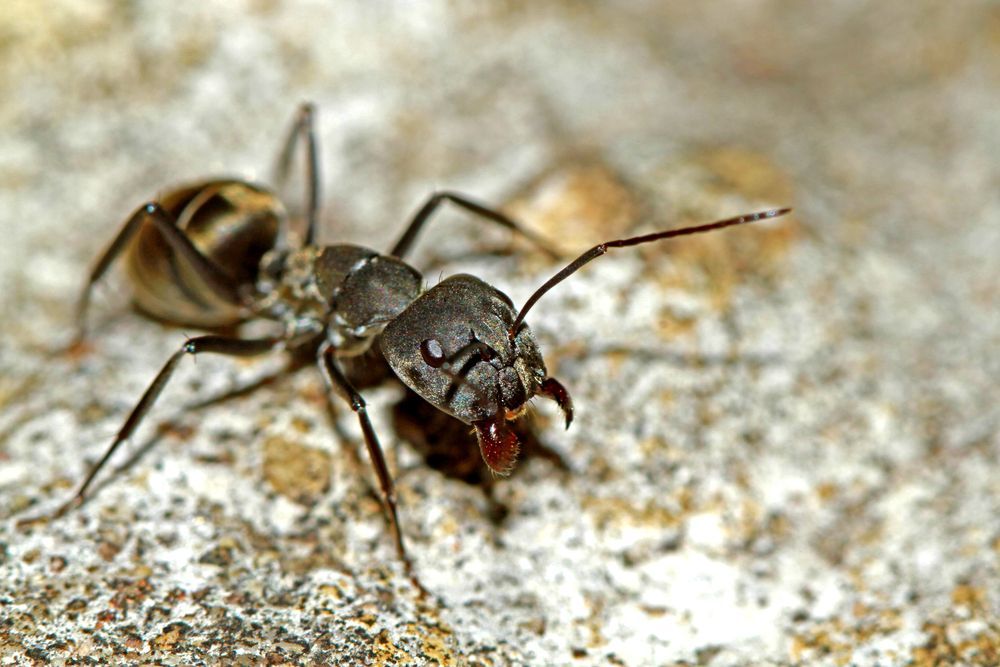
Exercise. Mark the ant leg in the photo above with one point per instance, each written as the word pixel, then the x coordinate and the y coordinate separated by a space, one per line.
pixel 233 347
pixel 337 381
pixel 214 277
pixel 416 224
pixel 302 129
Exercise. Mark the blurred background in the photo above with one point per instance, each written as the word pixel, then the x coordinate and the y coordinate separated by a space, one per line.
pixel 786 446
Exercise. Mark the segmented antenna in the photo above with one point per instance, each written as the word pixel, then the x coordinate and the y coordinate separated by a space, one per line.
pixel 602 248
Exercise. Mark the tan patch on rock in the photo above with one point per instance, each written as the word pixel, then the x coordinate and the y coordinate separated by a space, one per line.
pixel 714 184
pixel 301 474
pixel 577 206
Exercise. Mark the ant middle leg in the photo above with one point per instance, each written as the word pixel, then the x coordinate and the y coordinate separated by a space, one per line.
pixel 431 205
pixel 232 347
pixel 303 129
pixel 337 381
pixel 215 278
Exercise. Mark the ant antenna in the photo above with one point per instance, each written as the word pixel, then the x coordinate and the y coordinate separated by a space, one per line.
pixel 602 248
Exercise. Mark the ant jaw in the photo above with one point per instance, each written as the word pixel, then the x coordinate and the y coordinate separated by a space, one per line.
pixel 553 389
pixel 498 444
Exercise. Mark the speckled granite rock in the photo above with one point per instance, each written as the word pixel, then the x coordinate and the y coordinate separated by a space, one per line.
pixel 786 444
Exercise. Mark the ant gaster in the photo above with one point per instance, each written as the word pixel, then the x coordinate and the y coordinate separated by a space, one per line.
pixel 218 253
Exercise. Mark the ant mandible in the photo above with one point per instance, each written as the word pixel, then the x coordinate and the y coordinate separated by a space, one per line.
pixel 219 253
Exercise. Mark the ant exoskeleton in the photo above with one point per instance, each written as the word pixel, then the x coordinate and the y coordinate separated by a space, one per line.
pixel 219 253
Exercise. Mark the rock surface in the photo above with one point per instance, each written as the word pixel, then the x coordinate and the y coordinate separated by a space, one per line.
pixel 786 445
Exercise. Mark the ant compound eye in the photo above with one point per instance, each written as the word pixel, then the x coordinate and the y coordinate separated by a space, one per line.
pixel 432 353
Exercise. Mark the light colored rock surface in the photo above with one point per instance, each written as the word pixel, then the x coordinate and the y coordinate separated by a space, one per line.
pixel 786 447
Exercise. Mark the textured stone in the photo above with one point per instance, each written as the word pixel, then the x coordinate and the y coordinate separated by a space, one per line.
pixel 785 449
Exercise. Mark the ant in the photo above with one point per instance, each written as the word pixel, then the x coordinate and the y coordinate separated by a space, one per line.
pixel 218 253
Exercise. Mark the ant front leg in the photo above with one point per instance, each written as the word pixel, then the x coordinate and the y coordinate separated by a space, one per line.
pixel 416 224
pixel 303 129
pixel 337 381
pixel 232 347
pixel 215 278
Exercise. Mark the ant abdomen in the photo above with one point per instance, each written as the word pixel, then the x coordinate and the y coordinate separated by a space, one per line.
pixel 233 224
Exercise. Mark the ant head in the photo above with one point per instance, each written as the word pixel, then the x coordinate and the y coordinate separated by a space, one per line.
pixel 453 347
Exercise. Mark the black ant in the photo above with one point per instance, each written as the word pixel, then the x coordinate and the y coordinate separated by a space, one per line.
pixel 220 252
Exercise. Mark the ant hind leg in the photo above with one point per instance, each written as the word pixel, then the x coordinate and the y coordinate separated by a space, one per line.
pixel 233 347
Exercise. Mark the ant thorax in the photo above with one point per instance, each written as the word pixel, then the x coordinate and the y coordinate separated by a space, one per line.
pixel 287 292
pixel 347 292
